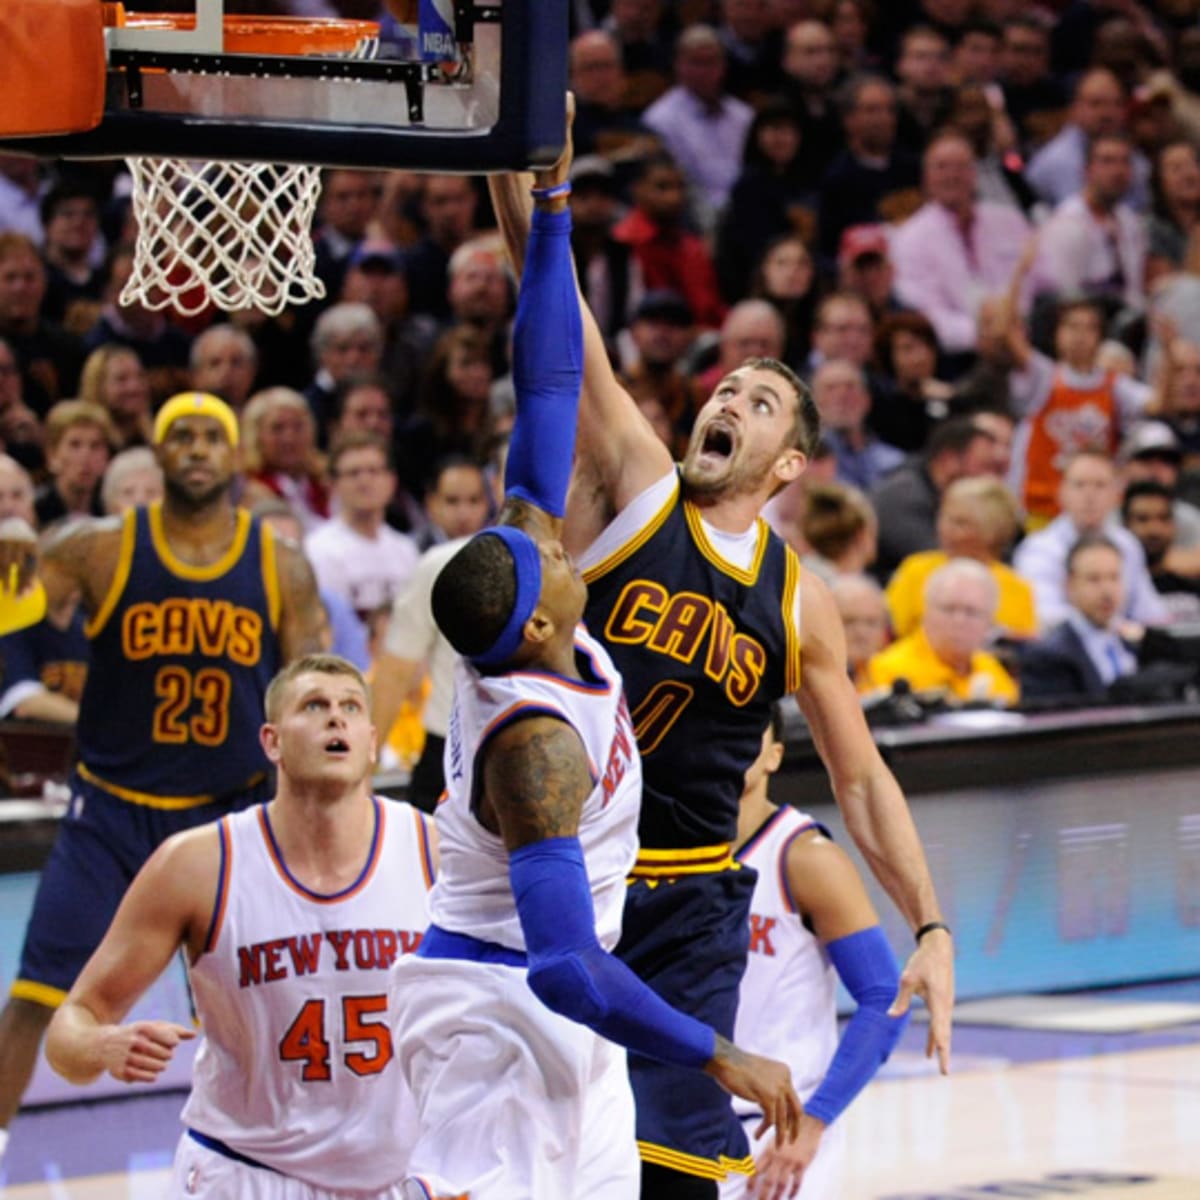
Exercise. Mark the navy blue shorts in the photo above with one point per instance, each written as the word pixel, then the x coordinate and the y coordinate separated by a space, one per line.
pixel 688 938
pixel 101 845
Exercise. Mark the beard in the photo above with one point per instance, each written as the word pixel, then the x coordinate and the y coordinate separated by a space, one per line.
pixel 193 499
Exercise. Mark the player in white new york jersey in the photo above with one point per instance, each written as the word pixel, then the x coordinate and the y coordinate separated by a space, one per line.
pixel 292 915
pixel 510 1010
pixel 810 921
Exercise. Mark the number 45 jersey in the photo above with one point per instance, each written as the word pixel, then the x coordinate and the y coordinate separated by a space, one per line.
pixel 181 659
pixel 297 1068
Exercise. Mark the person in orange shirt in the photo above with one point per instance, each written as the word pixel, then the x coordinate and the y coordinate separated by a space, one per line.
pixel 945 656
pixel 978 519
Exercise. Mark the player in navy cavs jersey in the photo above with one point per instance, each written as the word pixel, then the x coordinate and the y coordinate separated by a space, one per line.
pixel 191 607
pixel 514 1012
pixel 291 915
pixel 811 922
pixel 700 605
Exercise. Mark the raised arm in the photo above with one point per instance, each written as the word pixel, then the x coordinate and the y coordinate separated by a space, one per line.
pixel 168 904
pixel 874 809
pixel 619 454
pixel 536 778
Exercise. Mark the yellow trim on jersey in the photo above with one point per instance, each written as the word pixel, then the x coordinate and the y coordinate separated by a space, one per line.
pixel 791 629
pixel 270 574
pixel 748 577
pixel 120 576
pixel 38 993
pixel 635 543
pixel 148 800
pixel 210 571
pixel 694 1164
pixel 694 860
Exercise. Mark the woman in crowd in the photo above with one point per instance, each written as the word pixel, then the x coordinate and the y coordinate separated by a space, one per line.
pixel 114 378
pixel 787 279
pixel 1176 187
pixel 454 413
pixel 906 350
pixel 280 455
pixel 773 195
pixel 978 519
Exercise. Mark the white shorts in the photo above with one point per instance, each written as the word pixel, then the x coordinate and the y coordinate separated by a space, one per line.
pixel 514 1102
pixel 203 1173
pixel 822 1180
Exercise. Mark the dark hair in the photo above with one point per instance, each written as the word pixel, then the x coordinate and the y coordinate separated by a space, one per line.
pixel 352 383
pixel 775 111
pixel 1089 541
pixel 806 427
pixel 1142 488
pixel 652 162
pixel 437 397
pixel 65 191
pixel 359 440
pixel 1076 302
pixel 913 323
pixel 453 462
pixel 834 515
pixel 1111 135
pixel 474 594
pixel 847 95
pixel 978 25
pixel 1156 181
pixel 953 437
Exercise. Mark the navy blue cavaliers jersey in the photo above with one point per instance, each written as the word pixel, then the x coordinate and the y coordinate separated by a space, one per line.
pixel 181 659
pixel 703 648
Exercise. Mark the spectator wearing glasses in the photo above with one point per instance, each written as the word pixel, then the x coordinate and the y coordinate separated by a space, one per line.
pixel 945 655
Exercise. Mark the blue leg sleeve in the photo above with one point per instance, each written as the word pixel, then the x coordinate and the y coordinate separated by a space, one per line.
pixel 867 967
pixel 570 972
pixel 547 368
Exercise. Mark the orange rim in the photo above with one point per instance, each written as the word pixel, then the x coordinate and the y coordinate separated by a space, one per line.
pixel 260 35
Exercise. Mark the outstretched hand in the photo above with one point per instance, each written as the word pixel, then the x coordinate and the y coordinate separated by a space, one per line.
pixel 929 973
pixel 138 1052
pixel 764 1082
pixel 779 1170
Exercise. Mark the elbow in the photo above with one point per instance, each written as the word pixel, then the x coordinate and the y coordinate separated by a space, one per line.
pixel 63 1051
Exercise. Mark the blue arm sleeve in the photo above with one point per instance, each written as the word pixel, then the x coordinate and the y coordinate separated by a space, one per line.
pixel 572 974
pixel 547 368
pixel 867 967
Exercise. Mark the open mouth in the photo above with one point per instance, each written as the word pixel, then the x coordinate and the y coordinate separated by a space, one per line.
pixel 337 746
pixel 718 442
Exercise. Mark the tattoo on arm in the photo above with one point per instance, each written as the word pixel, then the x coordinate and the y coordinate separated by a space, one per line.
pixel 535 781
pixel 302 619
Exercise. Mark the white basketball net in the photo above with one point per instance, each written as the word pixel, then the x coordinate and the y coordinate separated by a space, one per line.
pixel 234 235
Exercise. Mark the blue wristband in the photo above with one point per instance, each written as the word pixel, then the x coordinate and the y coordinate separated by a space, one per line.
pixel 549 193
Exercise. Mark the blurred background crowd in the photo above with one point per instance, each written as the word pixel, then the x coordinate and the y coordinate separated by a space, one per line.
pixel 973 226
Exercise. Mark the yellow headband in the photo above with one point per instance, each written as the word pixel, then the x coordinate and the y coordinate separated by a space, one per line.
pixel 195 404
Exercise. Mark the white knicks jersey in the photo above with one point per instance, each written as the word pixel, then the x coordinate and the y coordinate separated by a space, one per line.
pixel 296 1069
pixel 787 1005
pixel 472 894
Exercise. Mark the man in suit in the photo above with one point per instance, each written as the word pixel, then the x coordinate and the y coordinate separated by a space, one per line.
pixel 1083 656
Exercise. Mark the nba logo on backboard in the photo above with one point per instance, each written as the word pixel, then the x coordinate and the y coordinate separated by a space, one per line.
pixel 436 23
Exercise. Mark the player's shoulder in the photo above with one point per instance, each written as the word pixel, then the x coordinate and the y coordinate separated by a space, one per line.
pixel 86 532
pixel 186 865
pixel 817 867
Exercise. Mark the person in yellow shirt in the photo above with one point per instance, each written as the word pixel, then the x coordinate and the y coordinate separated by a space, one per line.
pixel 945 654
pixel 978 519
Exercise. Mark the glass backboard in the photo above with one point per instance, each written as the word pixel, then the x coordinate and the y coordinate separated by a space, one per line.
pixel 438 85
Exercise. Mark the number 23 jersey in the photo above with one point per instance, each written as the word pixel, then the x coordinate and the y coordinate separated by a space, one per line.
pixel 181 659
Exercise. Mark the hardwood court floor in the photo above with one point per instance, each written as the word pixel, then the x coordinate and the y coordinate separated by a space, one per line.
pixel 1025 1114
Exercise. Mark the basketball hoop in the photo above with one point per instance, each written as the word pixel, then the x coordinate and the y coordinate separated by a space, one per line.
pixel 235 235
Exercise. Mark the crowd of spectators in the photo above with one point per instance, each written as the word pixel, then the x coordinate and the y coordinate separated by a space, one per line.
pixel 972 225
